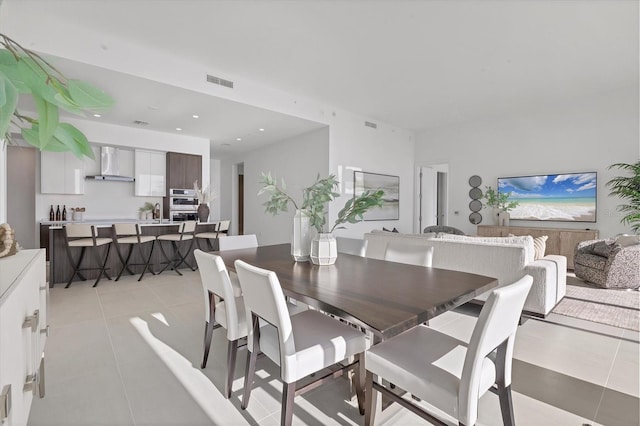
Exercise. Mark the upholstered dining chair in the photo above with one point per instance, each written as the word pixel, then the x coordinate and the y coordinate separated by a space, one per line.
pixel 235 242
pixel 228 312
pixel 419 255
pixel 447 373
pixel 129 234
pixel 301 345
pixel 86 237
pixel 355 246
pixel 184 234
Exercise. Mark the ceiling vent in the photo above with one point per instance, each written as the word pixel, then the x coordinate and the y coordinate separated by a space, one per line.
pixel 141 123
pixel 219 81
pixel 370 124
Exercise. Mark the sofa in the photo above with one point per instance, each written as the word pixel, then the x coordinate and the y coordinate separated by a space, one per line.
pixel 505 258
pixel 608 264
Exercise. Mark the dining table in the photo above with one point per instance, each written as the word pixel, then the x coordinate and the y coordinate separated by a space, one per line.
pixel 383 297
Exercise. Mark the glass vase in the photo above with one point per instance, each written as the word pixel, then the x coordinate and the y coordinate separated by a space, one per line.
pixel 301 237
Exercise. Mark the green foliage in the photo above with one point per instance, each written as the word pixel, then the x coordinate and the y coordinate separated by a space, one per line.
pixel 499 200
pixel 23 72
pixel 355 208
pixel 628 188
pixel 147 207
pixel 315 199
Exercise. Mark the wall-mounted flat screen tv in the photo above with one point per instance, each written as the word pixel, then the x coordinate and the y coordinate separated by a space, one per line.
pixel 569 197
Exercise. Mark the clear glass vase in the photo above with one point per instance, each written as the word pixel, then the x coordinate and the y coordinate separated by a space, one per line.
pixel 301 237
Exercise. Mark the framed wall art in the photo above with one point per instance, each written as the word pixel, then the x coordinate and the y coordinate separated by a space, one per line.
pixel 365 181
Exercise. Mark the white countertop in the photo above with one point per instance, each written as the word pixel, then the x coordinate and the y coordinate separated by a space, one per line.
pixel 12 267
pixel 105 223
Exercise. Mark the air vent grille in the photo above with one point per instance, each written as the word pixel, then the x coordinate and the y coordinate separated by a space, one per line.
pixel 141 123
pixel 219 81
pixel 370 124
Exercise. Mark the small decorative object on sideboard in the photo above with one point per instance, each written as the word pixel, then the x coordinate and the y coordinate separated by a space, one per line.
pixel 146 211
pixel 500 201
pixel 76 213
pixel 8 245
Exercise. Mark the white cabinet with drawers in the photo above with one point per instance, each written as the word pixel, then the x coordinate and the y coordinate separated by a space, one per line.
pixel 23 332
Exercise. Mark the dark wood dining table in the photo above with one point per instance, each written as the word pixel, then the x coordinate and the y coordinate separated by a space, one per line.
pixel 383 297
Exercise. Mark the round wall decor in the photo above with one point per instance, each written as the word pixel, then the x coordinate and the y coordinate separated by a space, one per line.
pixel 475 193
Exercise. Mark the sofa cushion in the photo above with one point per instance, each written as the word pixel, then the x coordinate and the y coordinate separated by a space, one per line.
pixel 591 260
pixel 628 240
pixel 540 246
pixel 525 241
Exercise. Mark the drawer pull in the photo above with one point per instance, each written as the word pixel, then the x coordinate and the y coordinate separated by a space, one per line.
pixel 45 331
pixel 5 402
pixel 32 321
pixel 31 383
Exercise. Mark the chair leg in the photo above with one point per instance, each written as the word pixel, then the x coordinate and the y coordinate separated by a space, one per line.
pixel 208 334
pixel 75 265
pixel 125 261
pixel 176 257
pixel 358 382
pixel 506 405
pixel 371 400
pixel 104 264
pixel 251 362
pixel 147 264
pixel 232 351
pixel 166 257
pixel 288 394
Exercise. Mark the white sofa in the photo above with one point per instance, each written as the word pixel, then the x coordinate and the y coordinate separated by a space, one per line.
pixel 507 259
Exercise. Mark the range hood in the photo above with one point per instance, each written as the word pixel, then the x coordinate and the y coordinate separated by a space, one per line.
pixel 110 166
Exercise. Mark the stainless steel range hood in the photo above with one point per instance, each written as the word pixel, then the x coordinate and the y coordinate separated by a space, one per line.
pixel 110 166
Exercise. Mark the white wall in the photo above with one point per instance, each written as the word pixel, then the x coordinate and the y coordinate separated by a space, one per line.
pixel 297 160
pixel 116 200
pixel 579 135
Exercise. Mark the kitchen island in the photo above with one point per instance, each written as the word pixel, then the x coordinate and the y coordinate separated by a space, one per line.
pixel 60 269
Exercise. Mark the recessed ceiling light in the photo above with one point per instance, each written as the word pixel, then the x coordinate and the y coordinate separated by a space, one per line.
pixel 226 144
pixel 262 130
pixel 195 116
pixel 238 139
pixel 179 129
pixel 97 115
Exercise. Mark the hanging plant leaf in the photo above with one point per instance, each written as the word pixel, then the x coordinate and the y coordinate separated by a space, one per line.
pixel 88 96
pixel 31 136
pixel 80 139
pixel 48 120
pixel 9 66
pixel 64 101
pixel 8 103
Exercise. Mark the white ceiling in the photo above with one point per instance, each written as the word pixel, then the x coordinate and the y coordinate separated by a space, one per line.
pixel 415 64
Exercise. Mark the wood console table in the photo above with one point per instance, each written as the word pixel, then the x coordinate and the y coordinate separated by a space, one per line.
pixel 561 241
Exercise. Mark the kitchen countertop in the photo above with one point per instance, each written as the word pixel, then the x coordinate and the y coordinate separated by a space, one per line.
pixel 105 223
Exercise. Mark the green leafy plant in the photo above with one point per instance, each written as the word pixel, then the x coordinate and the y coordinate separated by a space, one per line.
pixel 315 199
pixel 499 200
pixel 628 188
pixel 146 207
pixel 24 72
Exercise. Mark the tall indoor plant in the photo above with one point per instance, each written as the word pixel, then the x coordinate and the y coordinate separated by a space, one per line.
pixel 628 188
pixel 25 73
pixel 312 212
pixel 499 201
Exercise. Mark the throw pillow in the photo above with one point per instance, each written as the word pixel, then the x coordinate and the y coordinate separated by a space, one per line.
pixel 604 249
pixel 540 246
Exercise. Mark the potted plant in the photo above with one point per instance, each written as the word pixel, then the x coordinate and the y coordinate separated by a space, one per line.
pixel 146 210
pixel 24 72
pixel 312 213
pixel 628 188
pixel 205 196
pixel 499 201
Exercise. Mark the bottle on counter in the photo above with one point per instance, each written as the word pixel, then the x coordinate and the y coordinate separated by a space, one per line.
pixel 58 213
pixel 64 213
pixel 52 214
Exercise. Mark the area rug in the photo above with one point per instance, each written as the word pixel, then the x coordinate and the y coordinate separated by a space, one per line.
pixel 620 308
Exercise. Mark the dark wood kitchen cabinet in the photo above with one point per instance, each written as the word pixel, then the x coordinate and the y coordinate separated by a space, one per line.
pixel 183 170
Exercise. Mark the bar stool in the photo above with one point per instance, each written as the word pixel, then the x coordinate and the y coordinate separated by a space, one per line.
pixel 223 228
pixel 83 236
pixel 208 236
pixel 185 233
pixel 130 234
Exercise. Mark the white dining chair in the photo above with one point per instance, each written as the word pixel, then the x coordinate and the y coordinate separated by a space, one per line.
pixel 447 373
pixel 420 255
pixel 227 312
pixel 301 345
pixel 235 242
pixel 353 246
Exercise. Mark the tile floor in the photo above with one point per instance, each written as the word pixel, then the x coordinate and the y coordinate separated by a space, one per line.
pixel 128 353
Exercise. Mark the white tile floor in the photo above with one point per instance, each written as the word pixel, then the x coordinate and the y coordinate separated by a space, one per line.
pixel 128 353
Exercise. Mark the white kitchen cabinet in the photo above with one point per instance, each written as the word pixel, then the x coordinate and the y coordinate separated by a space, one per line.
pixel 61 173
pixel 150 169
pixel 23 332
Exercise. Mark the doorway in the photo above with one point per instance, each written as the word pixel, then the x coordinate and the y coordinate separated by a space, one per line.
pixel 432 200
pixel 238 198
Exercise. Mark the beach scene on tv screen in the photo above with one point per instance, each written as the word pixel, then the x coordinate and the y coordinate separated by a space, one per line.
pixel 562 197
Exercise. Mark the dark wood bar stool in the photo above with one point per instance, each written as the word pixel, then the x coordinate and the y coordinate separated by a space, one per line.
pixel 185 233
pixel 85 236
pixel 130 234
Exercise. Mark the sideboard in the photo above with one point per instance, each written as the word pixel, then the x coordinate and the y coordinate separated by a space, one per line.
pixel 23 332
pixel 561 241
